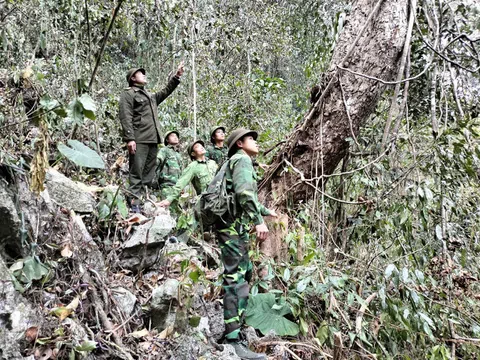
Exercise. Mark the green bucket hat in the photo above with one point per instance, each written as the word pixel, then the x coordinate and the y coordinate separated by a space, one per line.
pixel 212 133
pixel 132 71
pixel 165 142
pixel 237 135
pixel 190 147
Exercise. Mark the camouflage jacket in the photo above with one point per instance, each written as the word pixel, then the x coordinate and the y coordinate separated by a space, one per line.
pixel 139 115
pixel 199 173
pixel 217 154
pixel 169 166
pixel 244 180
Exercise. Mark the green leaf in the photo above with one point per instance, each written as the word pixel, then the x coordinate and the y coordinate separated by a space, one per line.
pixel 75 111
pixel 286 274
pixel 302 285
pixel 419 275
pixel 303 326
pixel 33 269
pixel 389 270
pixel 47 103
pixel 322 333
pixel 81 155
pixel 194 275
pixel 103 211
pixel 86 345
pixel 264 314
pixel 122 206
pixel 88 105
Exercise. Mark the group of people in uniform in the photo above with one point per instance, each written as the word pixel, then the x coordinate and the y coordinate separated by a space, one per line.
pixel 163 168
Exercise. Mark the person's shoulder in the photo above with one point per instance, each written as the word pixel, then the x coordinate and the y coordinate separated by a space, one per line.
pixel 240 161
pixel 240 158
pixel 212 163
pixel 192 164
pixel 127 92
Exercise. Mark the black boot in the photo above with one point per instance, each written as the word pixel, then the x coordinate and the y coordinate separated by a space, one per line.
pixel 244 353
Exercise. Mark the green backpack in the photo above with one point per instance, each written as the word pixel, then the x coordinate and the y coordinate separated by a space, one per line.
pixel 217 203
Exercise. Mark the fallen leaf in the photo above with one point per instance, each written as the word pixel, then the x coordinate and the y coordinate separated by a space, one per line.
pixel 31 333
pixel 166 333
pixel 61 312
pixel 137 218
pixel 118 163
pixel 140 333
pixel 74 304
pixel 66 251
pixel 86 345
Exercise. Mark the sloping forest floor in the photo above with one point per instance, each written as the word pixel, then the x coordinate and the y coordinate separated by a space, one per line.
pixel 387 267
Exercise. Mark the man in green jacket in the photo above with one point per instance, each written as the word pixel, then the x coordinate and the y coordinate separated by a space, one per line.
pixel 218 150
pixel 233 236
pixel 141 129
pixel 199 172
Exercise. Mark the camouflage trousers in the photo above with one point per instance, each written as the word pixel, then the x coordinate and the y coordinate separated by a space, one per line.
pixel 234 244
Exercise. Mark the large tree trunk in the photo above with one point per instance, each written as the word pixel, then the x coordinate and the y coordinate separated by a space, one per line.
pixel 317 146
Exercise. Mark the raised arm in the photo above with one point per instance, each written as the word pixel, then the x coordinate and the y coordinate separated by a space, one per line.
pixel 171 85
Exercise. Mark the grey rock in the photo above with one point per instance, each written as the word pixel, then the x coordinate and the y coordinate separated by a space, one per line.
pixel 177 252
pixel 79 334
pixel 204 325
pixel 164 304
pixel 16 316
pixel 191 346
pixel 125 299
pixel 152 231
pixel 140 250
pixel 10 243
pixel 67 193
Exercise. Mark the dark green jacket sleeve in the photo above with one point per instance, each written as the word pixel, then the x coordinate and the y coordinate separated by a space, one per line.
pixel 165 92
pixel 245 188
pixel 126 116
pixel 184 180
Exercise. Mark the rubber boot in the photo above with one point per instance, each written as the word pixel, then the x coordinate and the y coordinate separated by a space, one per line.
pixel 244 353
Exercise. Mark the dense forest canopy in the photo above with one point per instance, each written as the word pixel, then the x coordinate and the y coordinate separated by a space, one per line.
pixel 372 155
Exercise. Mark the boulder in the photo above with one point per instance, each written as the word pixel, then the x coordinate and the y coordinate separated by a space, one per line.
pixel 164 304
pixel 191 346
pixel 66 193
pixel 175 253
pixel 16 316
pixel 152 232
pixel 10 243
pixel 146 242
pixel 125 300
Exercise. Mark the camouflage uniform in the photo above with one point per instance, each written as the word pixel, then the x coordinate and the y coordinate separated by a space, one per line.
pixel 169 169
pixel 199 173
pixel 169 166
pixel 234 242
pixel 217 154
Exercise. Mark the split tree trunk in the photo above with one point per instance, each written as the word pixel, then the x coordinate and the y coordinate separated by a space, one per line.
pixel 317 146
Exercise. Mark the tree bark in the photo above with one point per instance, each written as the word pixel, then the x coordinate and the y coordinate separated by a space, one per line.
pixel 317 146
